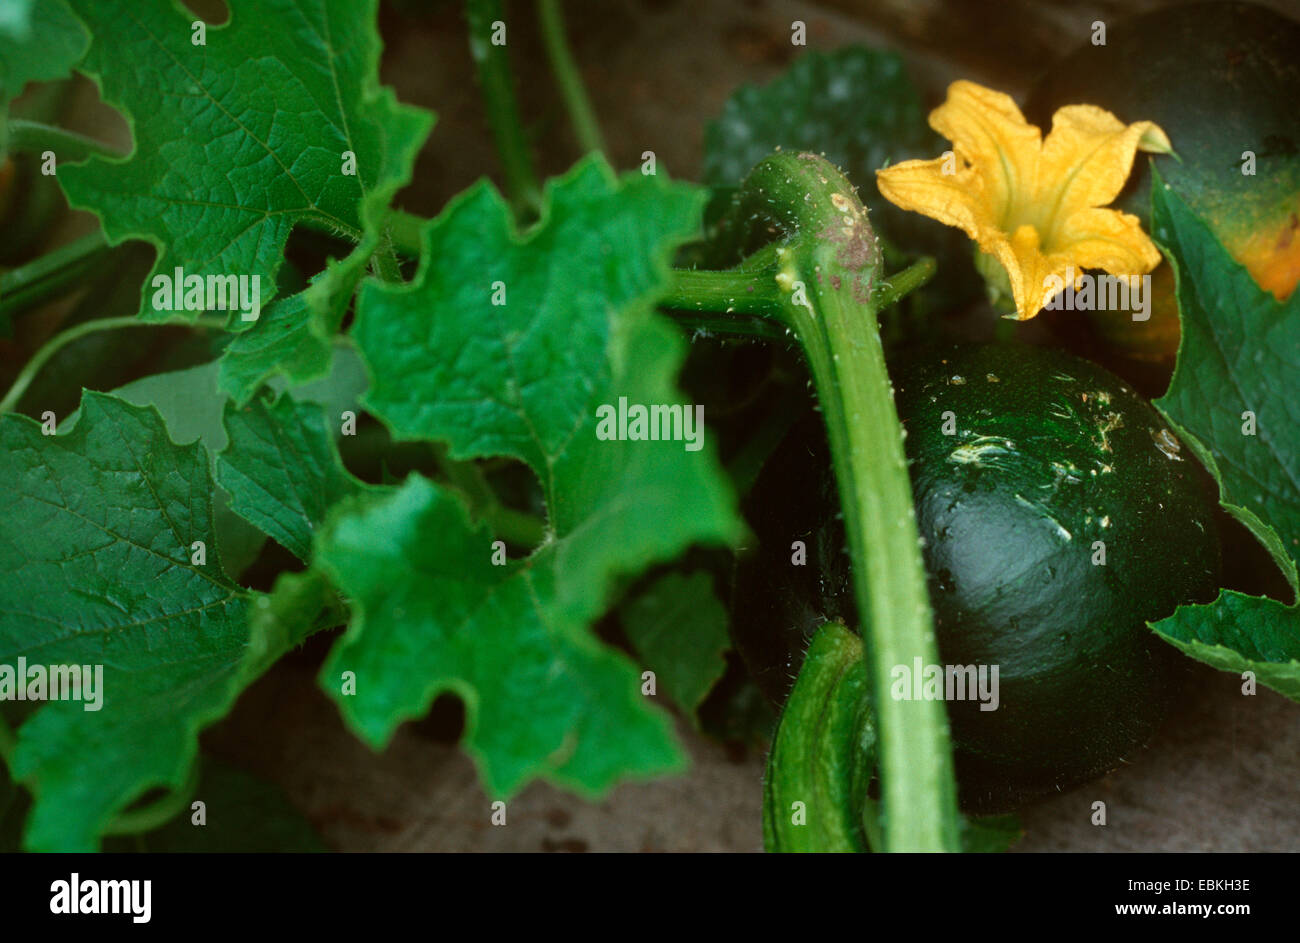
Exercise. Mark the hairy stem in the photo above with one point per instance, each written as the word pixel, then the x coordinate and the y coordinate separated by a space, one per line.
pixel 404 229
pixel 743 325
pixel 822 752
pixel 493 65
pixel 735 291
pixel 827 276
pixel 384 262
pixel 569 79
pixel 895 287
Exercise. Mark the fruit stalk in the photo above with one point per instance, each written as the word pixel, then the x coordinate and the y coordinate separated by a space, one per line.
pixel 828 274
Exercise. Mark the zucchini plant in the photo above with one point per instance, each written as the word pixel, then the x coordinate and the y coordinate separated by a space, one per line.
pixel 257 406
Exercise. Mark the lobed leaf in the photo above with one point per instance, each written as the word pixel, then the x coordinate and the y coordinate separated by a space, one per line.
pixel 524 379
pixel 96 533
pixel 254 136
pixel 679 628
pixel 1231 401
pixel 39 42
pixel 282 470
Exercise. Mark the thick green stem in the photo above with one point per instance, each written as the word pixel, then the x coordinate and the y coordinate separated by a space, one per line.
pixel 34 137
pixel 61 340
pixel 740 302
pixel 493 65
pixel 827 277
pixel 744 325
pixel 567 76
pixel 50 274
pixel 736 291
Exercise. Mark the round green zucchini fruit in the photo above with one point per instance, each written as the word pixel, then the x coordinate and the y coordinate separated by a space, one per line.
pixel 1058 515
pixel 1223 81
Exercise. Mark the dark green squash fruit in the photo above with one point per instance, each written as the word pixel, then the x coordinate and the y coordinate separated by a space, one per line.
pixel 1049 458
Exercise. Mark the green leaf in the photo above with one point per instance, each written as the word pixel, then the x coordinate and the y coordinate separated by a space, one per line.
pixel 187 400
pixel 339 390
pixel 281 469
pixel 1232 402
pixel 679 628
pixel 294 337
pixel 518 378
pixel 299 605
pixel 96 531
pixel 1240 633
pixel 1240 353
pixel 432 613
pixel 253 140
pixel 525 379
pixel 39 42
pixel 856 106
pixel 191 406
pixel 287 341
pixel 244 814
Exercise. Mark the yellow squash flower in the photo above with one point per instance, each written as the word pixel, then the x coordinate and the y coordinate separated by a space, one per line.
pixel 1033 204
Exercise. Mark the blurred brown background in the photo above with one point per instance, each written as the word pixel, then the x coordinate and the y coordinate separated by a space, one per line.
pixel 658 70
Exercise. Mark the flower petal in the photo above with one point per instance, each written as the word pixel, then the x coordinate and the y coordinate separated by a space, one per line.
pixel 1028 270
pixel 1086 159
pixel 988 131
pixel 1109 240
pixel 1032 204
pixel 957 199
